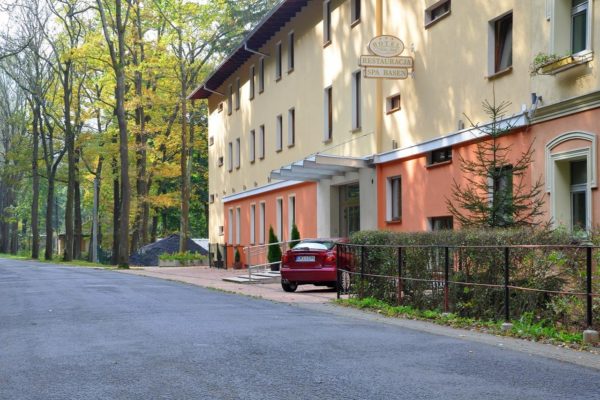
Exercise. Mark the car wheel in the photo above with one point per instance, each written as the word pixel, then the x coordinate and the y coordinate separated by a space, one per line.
pixel 345 281
pixel 289 286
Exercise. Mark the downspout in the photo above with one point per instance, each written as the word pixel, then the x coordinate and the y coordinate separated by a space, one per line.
pixel 379 84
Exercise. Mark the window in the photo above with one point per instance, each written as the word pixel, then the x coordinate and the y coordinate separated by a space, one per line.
pixel 220 162
pixel 278 61
pixel 578 195
pixel 579 25
pixel 261 75
pixel 439 156
pixel 291 214
pixel 230 157
pixel 436 12
pixel 291 54
pixel 355 11
pixel 237 94
pixel 280 219
pixel 238 150
pixel 261 225
pixel 252 145
pixel 261 142
pixel 441 223
pixel 211 141
pixel 356 101
pixel 394 203
pixel 279 133
pixel 230 226
pixel 238 217
pixel 220 107
pixel 291 127
pixel 221 230
pixel 392 104
pixel 328 105
pixel 502 43
pixel 211 198
pixel 501 196
pixel 251 79
pixel 252 223
pixel 326 22
pixel 229 100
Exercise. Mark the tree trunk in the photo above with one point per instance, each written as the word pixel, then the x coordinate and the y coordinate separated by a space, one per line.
pixel 116 210
pixel 35 234
pixel 78 234
pixel 49 216
pixel 70 143
pixel 185 187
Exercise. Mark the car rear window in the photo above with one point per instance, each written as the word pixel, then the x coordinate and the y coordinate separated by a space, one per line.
pixel 302 246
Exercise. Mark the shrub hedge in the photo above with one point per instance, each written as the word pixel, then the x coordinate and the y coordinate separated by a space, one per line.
pixel 477 257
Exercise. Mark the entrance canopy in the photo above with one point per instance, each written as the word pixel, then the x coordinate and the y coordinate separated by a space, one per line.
pixel 318 167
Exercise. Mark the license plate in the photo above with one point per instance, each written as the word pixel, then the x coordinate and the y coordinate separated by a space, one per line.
pixel 305 259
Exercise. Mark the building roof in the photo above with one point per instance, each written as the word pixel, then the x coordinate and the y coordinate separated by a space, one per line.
pixel 266 28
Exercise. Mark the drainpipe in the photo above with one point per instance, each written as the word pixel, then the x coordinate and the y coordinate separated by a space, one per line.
pixel 379 84
pixel 254 51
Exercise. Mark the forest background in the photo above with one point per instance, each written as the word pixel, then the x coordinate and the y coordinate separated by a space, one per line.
pixel 97 138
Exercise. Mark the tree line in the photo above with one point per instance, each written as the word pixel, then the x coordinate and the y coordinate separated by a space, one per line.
pixel 97 137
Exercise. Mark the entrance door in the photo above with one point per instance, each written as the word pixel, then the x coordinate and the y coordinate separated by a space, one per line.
pixel 349 209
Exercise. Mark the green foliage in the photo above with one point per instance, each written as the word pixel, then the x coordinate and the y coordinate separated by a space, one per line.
pixel 237 257
pixel 542 59
pixel 526 327
pixel 537 267
pixel 496 191
pixel 295 236
pixel 274 252
pixel 183 258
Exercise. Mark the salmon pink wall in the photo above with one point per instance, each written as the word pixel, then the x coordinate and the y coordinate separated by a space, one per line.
pixel 306 213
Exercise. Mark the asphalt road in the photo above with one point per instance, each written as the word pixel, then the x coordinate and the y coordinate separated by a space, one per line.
pixel 75 333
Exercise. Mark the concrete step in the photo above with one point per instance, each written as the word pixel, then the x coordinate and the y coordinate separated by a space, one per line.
pixel 255 278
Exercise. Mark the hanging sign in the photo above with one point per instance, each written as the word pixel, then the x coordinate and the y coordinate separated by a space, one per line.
pixel 385 61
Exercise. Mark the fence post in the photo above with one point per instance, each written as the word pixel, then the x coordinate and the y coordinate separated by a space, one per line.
pixel 338 282
pixel 362 271
pixel 400 285
pixel 589 335
pixel 506 326
pixel 446 276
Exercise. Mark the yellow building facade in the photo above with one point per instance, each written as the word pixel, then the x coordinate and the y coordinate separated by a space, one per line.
pixel 293 116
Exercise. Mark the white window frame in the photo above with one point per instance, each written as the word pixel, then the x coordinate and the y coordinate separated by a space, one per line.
pixel 390 199
pixel 262 222
pixel 230 226
pixel 355 11
pixel 492 45
pixel 238 153
pixel 230 157
pixel 252 146
pixel 253 223
pixel 279 218
pixel 291 127
pixel 291 213
pixel 238 218
pixel 326 22
pixel 279 133
pixel 328 114
pixel 429 12
pixel 261 142
pixel 356 100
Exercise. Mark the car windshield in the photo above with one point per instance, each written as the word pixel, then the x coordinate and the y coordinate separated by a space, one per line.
pixel 314 245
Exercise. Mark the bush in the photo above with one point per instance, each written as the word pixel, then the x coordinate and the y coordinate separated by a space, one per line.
pixel 295 236
pixel 183 258
pixel 553 268
pixel 237 257
pixel 274 252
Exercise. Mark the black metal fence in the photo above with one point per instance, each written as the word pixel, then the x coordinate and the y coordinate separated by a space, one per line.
pixel 560 284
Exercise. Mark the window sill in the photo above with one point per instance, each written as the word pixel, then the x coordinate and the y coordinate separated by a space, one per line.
pixel 289 71
pixel 289 146
pixel 394 221
pixel 435 21
pixel 251 161
pixel 278 150
pixel 327 141
pixel 439 164
pixel 277 78
pixel 499 74
pixel 326 43
pixel 393 110
pixel 355 22
pixel 251 98
pixel 566 63
pixel 261 91
pixel 356 130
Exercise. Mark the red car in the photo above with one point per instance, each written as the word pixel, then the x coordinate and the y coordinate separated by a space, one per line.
pixel 313 261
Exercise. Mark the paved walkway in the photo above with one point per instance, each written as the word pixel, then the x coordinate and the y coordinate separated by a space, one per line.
pixel 213 278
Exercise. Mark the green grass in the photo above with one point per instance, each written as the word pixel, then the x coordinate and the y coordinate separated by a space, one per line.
pixel 524 328
pixel 56 260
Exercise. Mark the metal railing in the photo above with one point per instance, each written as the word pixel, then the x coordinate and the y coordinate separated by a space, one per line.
pixel 256 256
pixel 547 281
